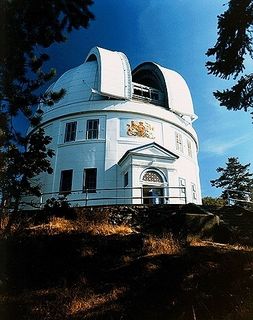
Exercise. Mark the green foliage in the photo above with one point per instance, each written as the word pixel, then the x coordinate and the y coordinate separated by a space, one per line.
pixel 215 202
pixel 20 48
pixel 26 29
pixel 20 167
pixel 234 177
pixel 234 44
pixel 239 96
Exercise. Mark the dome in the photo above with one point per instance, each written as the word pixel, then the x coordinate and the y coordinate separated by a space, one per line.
pixel 104 74
pixel 79 84
pixel 107 75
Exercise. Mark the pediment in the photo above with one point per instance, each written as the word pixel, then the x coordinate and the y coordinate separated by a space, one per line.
pixel 151 150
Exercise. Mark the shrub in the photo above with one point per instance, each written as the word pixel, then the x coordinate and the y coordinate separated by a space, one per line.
pixel 58 207
pixel 214 202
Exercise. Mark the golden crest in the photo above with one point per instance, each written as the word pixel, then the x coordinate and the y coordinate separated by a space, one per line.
pixel 140 129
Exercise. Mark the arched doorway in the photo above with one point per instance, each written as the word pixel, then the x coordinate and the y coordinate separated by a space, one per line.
pixel 153 187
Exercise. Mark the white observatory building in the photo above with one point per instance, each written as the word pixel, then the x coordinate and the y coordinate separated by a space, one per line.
pixel 121 136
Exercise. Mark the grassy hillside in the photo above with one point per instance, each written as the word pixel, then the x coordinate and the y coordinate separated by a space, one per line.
pixel 83 268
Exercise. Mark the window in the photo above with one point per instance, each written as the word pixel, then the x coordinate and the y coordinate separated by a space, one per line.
pixel 152 176
pixel 126 179
pixel 66 182
pixel 70 131
pixel 90 180
pixel 189 147
pixel 182 186
pixel 194 191
pixel 92 129
pixel 179 142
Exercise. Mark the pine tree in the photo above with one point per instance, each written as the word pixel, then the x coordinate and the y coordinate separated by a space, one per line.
pixel 27 28
pixel 236 178
pixel 233 46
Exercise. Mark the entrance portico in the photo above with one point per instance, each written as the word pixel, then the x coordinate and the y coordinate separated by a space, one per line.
pixel 150 169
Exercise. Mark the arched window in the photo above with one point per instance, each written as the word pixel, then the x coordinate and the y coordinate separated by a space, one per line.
pixel 152 176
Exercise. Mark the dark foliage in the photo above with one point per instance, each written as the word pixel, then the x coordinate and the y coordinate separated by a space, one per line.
pixel 26 29
pixel 213 202
pixel 21 167
pixel 234 177
pixel 239 97
pixel 234 44
pixel 58 207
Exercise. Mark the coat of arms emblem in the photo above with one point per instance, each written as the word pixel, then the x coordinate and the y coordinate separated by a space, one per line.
pixel 140 129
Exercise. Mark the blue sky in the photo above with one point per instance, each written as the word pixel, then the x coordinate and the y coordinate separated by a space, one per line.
pixel 175 34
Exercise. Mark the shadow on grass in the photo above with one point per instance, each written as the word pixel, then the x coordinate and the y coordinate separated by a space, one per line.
pixel 83 276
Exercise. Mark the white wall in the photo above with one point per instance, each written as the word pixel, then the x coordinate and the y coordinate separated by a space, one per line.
pixel 113 142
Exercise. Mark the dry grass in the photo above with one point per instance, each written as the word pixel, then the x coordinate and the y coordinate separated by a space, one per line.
pixel 107 229
pixel 54 226
pixel 58 225
pixel 90 301
pixel 116 280
pixel 194 241
pixel 164 244
pixel 68 302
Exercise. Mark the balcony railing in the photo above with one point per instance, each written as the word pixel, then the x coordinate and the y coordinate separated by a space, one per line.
pixel 113 196
pixel 147 94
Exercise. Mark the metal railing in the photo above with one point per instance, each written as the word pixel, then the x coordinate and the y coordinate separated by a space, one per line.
pixel 147 94
pixel 232 200
pixel 112 196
